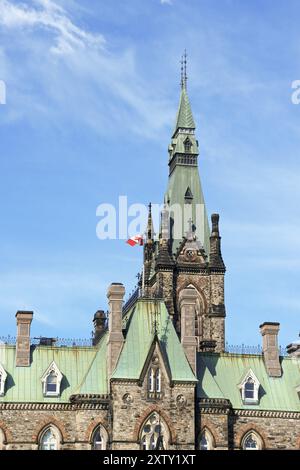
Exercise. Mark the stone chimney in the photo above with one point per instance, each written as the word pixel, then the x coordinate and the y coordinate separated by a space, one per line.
pixel 99 326
pixel 187 303
pixel 269 332
pixel 24 320
pixel 115 295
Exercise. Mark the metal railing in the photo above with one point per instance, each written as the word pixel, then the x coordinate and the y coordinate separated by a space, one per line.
pixel 57 342
pixel 247 349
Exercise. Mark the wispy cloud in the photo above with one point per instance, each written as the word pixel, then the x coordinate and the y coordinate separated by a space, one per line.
pixel 56 52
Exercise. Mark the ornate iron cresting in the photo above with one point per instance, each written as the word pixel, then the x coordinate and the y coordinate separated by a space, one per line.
pixel 57 342
pixel 247 349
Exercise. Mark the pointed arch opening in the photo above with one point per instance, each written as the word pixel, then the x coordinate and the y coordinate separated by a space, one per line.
pixel 206 440
pixel 154 433
pixel 252 441
pixel 50 438
pixel 2 440
pixel 99 438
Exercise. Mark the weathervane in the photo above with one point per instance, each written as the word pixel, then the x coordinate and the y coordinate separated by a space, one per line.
pixel 183 69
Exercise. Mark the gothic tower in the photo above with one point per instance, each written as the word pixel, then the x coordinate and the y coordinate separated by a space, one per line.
pixel 187 255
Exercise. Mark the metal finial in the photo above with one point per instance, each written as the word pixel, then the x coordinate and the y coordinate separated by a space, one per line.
pixel 183 69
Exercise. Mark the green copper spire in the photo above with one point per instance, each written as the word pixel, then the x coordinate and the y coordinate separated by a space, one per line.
pixel 184 187
pixel 184 118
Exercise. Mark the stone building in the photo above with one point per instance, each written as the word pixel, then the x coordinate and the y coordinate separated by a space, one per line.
pixel 157 375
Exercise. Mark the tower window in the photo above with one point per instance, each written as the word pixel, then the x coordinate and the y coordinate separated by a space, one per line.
pixel 187 145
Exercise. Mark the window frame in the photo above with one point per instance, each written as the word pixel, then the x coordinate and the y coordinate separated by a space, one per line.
pixel 104 437
pixel 256 386
pixel 3 377
pixel 257 438
pixel 209 439
pixel 52 369
pixel 56 434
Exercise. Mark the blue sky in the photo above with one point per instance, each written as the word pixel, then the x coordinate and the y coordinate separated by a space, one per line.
pixel 92 93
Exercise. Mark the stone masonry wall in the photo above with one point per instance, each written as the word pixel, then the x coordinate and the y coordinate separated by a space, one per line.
pixel 228 430
pixel 129 418
pixel 23 427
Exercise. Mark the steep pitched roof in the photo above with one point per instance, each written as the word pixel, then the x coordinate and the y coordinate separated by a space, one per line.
pixel 83 369
pixel 139 339
pixel 220 375
pixel 184 118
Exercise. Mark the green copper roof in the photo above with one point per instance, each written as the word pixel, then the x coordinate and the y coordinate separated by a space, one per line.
pixel 83 369
pixel 184 117
pixel 220 374
pixel 139 338
pixel 182 178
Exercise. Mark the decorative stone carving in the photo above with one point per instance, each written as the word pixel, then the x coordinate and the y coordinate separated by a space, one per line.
pixel 127 399
pixel 181 401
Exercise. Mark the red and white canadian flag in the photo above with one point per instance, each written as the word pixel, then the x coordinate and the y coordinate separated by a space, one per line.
pixel 136 240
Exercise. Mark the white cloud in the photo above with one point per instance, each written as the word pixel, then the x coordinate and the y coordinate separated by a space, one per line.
pixel 51 16
pixel 166 2
pixel 75 70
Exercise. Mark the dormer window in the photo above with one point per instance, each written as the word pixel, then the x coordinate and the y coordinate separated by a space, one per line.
pixel 51 381
pixel 249 389
pixel 3 377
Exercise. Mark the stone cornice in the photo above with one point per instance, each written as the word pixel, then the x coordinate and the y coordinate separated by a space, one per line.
pixel 54 406
pixel 222 406
pixel 268 414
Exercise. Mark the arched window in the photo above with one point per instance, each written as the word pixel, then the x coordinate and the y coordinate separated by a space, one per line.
pixel 187 145
pixel 3 377
pixel 50 439
pixel 157 381
pixel 2 440
pixel 154 434
pixel 99 438
pixel 252 441
pixel 151 380
pixel 206 441
pixel 51 380
pixel 154 382
pixel 249 387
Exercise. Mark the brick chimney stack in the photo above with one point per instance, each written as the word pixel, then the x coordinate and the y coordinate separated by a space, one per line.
pixel 269 332
pixel 24 320
pixel 115 295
